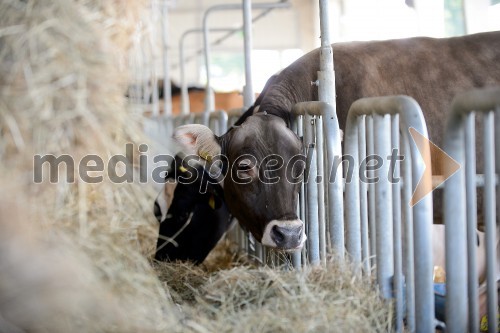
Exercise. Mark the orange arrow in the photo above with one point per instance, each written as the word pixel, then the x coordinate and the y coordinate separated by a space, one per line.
pixel 442 162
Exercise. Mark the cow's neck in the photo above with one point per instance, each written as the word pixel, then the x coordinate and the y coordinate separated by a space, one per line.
pixel 282 96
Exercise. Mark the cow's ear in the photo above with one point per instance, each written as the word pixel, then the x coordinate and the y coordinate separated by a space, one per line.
pixel 197 139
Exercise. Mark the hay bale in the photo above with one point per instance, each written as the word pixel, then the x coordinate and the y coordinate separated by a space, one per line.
pixel 61 92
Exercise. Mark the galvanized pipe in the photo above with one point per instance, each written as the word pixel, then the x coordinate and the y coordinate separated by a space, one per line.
pixel 184 88
pixel 326 74
pixel 470 190
pixel 454 205
pixel 311 191
pixel 210 99
pixel 383 207
pixel 490 220
pixel 333 149
pixel 352 194
pixel 396 216
pixel 320 180
pixel 370 150
pixel 408 234
pixel 230 33
pixel 167 92
pixel 248 94
pixel 297 256
pixel 363 201
pixel 410 116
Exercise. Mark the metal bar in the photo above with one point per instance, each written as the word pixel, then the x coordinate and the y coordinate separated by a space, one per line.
pixel 490 220
pixel 209 98
pixel 470 190
pixel 167 89
pixel 286 4
pixel 370 150
pixel 411 116
pixel 302 193
pixel 296 256
pixel 320 180
pixel 352 192
pixel 326 74
pixel 334 168
pixel 396 216
pixel 248 94
pixel 365 249
pixel 312 192
pixel 454 211
pixel 184 88
pixel 454 204
pixel 326 93
pixel 383 207
pixel 408 244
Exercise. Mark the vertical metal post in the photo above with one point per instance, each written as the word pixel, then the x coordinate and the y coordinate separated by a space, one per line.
pixel 385 254
pixel 396 216
pixel 408 244
pixel 370 150
pixel 209 93
pixel 312 192
pixel 167 92
pixel 455 232
pixel 182 67
pixel 470 190
pixel 490 220
pixel 209 97
pixel 326 93
pixel 365 250
pixel 297 256
pixel 248 94
pixel 353 232
pixel 326 74
pixel 320 180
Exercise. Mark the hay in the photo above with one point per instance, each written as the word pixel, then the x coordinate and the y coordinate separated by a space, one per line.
pixel 62 92
pixel 73 256
pixel 246 299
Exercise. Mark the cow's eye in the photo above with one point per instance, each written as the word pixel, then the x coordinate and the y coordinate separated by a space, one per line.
pixel 245 165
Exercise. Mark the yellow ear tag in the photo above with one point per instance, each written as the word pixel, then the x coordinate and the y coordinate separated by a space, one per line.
pixel 211 202
pixel 183 169
pixel 206 156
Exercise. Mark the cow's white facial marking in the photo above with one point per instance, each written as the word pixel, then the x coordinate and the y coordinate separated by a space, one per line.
pixel 288 234
pixel 163 201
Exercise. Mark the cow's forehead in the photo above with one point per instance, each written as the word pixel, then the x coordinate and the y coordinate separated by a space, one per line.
pixel 265 134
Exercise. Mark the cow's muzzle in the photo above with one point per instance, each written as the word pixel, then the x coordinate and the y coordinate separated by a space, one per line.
pixel 284 235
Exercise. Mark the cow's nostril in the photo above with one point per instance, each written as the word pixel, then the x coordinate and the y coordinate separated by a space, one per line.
pixel 277 235
pixel 286 237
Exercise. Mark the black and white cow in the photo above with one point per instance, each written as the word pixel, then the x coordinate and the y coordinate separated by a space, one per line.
pixel 196 216
pixel 432 71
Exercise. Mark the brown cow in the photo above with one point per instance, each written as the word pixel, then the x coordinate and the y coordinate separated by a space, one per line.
pixel 430 70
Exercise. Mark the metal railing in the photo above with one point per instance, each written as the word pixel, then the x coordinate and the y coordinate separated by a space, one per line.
pixel 462 309
pixel 386 203
pixel 321 203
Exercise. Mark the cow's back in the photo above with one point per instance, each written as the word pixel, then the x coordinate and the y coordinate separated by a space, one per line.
pixel 432 71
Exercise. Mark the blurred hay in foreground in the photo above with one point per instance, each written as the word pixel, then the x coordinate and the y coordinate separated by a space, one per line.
pixel 62 92
pixel 73 256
